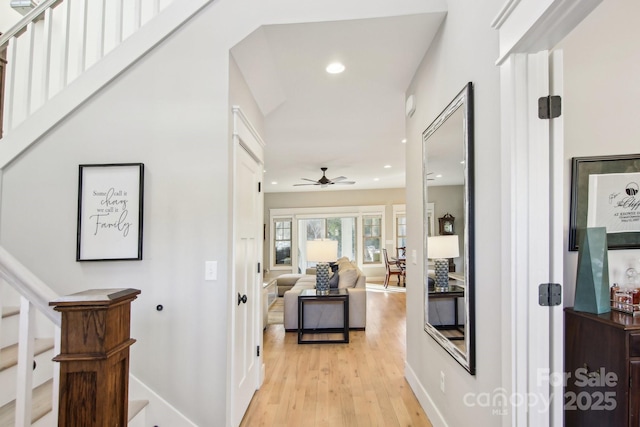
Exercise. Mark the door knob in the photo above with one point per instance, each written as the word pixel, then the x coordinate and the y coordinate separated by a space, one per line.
pixel 242 298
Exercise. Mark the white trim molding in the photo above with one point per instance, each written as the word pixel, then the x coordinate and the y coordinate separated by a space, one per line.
pixel 529 26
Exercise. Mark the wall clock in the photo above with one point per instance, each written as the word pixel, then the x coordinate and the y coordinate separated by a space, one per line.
pixel 446 224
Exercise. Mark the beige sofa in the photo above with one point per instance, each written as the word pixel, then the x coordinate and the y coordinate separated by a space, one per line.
pixel 318 316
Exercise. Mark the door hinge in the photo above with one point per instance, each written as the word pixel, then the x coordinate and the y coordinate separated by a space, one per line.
pixel 259 187
pixel 258 352
pixel 549 107
pixel 258 267
pixel 549 294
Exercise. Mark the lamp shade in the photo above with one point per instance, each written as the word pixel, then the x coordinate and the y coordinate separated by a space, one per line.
pixel 443 247
pixel 322 250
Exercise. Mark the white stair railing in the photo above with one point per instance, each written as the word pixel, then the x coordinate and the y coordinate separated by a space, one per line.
pixel 57 41
pixel 35 295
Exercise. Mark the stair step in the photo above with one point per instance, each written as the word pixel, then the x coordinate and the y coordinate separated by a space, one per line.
pixel 10 311
pixel 135 406
pixel 9 355
pixel 41 405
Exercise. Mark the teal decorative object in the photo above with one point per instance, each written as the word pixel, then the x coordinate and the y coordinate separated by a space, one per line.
pixel 592 282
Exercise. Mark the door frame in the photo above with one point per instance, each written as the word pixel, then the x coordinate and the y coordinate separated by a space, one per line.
pixel 246 138
pixel 532 336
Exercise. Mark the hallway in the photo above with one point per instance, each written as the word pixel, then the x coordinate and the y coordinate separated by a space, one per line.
pixel 357 384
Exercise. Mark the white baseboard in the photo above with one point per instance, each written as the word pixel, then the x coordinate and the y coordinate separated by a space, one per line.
pixel 425 400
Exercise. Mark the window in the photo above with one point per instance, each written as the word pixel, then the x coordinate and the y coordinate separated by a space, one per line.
pixel 282 242
pixel 291 228
pixel 372 238
pixel 341 229
pixel 401 231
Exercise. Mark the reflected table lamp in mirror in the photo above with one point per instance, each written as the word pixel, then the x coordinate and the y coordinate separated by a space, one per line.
pixel 440 249
pixel 322 252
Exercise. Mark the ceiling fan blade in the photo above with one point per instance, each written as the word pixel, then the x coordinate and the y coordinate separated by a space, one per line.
pixel 297 185
pixel 310 180
pixel 340 178
pixel 345 182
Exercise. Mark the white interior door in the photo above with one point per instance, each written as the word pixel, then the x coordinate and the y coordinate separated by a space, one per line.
pixel 246 335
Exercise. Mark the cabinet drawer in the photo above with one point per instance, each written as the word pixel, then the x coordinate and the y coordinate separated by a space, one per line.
pixel 634 345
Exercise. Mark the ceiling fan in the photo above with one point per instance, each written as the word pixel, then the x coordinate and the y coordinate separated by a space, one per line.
pixel 324 181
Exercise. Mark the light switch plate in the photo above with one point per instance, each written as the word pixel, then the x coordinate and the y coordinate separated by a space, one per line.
pixel 211 270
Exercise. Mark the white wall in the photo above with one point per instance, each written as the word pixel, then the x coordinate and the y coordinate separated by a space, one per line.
pixel 600 106
pixel 449 199
pixel 464 50
pixel 171 112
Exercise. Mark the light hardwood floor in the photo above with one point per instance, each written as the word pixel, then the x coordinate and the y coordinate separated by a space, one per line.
pixel 357 384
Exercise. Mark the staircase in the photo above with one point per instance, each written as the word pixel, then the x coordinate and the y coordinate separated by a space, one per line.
pixel 64 51
pixel 57 57
pixel 28 335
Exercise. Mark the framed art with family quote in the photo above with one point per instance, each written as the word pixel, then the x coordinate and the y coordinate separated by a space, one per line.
pixel 110 206
pixel 605 193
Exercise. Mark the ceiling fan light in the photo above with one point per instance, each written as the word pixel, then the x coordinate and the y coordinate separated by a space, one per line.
pixel 335 68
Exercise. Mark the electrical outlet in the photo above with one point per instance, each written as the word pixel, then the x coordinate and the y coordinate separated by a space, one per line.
pixel 442 381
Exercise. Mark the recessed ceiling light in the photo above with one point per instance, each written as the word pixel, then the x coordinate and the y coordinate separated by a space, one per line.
pixel 376 179
pixel 274 182
pixel 387 166
pixel 335 68
pixel 462 162
pixel 438 176
pixel 404 140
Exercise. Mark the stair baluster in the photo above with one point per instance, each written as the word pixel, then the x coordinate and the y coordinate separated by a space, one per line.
pixel 60 40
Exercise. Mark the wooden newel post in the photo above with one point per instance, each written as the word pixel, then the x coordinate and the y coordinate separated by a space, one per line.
pixel 94 357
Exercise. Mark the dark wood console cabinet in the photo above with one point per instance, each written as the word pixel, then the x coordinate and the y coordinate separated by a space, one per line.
pixel 602 369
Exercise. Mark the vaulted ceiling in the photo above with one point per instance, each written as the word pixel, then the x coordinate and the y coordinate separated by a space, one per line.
pixel 353 123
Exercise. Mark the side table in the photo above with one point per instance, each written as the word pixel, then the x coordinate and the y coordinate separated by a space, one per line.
pixel 309 296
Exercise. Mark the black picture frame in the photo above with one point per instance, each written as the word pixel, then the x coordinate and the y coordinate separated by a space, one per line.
pixel 110 212
pixel 581 169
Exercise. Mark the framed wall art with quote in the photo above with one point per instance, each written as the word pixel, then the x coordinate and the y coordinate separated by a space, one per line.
pixel 110 208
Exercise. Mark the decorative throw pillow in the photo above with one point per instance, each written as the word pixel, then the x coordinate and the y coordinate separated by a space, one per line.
pixel 333 266
pixel 333 282
pixel 347 278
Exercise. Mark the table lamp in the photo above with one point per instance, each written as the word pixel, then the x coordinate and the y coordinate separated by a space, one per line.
pixel 321 252
pixel 440 249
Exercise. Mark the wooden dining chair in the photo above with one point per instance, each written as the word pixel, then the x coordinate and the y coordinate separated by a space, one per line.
pixel 392 269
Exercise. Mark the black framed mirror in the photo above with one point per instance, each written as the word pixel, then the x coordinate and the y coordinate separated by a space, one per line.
pixel 448 183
